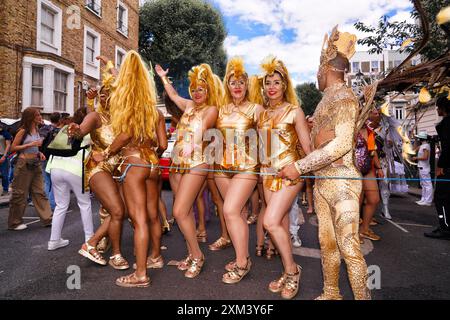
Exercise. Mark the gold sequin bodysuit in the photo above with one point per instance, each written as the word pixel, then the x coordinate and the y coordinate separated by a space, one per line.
pixel 101 139
pixel 240 140
pixel 189 132
pixel 280 145
pixel 337 200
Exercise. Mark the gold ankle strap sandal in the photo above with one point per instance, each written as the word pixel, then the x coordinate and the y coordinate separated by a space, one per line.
pixel 195 268
pixel 291 285
pixel 236 275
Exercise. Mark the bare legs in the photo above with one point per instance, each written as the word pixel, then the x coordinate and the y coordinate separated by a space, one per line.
pixel 188 189
pixel 371 199
pixel 236 192
pixel 107 192
pixel 278 205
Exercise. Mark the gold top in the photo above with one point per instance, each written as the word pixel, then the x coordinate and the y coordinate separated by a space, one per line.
pixel 282 128
pixel 235 125
pixel 189 131
pixel 102 137
pixel 333 133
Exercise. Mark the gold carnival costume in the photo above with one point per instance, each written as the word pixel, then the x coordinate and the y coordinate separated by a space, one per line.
pixel 102 137
pixel 137 117
pixel 189 128
pixel 288 150
pixel 241 155
pixel 337 200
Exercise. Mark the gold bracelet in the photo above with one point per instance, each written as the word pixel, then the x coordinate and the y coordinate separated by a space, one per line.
pixel 297 167
pixel 165 80
pixel 109 65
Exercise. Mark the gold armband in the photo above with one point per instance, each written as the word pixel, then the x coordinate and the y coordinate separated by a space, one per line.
pixel 165 80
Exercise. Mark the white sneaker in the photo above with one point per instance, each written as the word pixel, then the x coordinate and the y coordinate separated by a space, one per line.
pixel 20 227
pixel 419 202
pixel 426 204
pixel 56 244
pixel 296 242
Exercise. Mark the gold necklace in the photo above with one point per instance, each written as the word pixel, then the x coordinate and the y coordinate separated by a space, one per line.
pixel 276 105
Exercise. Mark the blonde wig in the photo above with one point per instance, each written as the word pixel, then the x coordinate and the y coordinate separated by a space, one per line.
pixel 203 76
pixel 270 66
pixel 235 67
pixel 133 100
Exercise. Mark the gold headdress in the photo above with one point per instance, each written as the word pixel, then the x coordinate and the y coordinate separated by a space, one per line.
pixel 202 75
pixel 337 43
pixel 235 67
pixel 270 65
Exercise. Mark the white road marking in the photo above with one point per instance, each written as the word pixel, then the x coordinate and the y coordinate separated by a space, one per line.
pixel 398 226
pixel 415 225
pixel 32 222
pixel 366 248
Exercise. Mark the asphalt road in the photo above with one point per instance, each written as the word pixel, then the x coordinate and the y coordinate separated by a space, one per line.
pixel 404 264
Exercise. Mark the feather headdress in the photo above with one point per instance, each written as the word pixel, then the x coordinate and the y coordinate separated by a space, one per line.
pixel 202 75
pixel 235 67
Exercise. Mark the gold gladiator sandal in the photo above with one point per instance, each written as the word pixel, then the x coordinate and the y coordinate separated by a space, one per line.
pixel 195 268
pixel 292 284
pixel 236 275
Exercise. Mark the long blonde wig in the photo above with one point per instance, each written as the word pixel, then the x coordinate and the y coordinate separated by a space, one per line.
pixel 133 100
pixel 271 65
pixel 202 75
pixel 235 67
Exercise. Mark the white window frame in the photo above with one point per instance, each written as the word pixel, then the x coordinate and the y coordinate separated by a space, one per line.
pixel 359 66
pixel 122 32
pixel 99 3
pixel 48 83
pixel 41 44
pixel 399 110
pixel 91 69
pixel 121 51
pixel 378 66
pixel 41 87
pixel 58 91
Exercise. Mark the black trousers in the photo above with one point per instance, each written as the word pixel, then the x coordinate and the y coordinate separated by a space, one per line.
pixel 442 200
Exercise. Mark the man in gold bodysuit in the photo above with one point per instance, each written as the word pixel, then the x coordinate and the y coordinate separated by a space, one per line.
pixel 336 199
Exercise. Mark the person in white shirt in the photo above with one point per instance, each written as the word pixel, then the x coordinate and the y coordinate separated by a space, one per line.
pixel 423 164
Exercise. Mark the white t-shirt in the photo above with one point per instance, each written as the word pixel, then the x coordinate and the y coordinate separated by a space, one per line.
pixel 424 164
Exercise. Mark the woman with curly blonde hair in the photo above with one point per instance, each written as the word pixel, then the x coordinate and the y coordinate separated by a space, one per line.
pixel 140 130
pixel 188 177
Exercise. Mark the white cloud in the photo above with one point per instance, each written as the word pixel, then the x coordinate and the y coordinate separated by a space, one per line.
pixel 309 19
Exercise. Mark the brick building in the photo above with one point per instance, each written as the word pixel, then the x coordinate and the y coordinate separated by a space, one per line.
pixel 48 50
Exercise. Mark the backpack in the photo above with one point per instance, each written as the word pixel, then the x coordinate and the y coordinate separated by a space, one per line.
pixel 62 145
pixel 48 133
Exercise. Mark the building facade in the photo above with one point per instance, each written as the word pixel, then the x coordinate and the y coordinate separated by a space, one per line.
pixel 403 107
pixel 48 50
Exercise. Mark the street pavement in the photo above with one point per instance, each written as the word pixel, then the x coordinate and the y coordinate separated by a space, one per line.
pixel 404 264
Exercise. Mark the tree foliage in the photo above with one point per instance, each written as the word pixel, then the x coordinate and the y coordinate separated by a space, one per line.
pixel 388 35
pixel 179 34
pixel 310 97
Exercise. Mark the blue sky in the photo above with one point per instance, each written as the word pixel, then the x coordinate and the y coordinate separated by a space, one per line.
pixel 293 30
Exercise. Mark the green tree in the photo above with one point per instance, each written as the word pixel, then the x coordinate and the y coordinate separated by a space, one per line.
pixel 179 34
pixel 388 35
pixel 309 95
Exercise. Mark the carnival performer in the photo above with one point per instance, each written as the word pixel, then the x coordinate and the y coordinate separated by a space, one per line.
pixel 99 176
pixel 236 172
pixel 140 136
pixel 336 201
pixel 285 138
pixel 190 166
